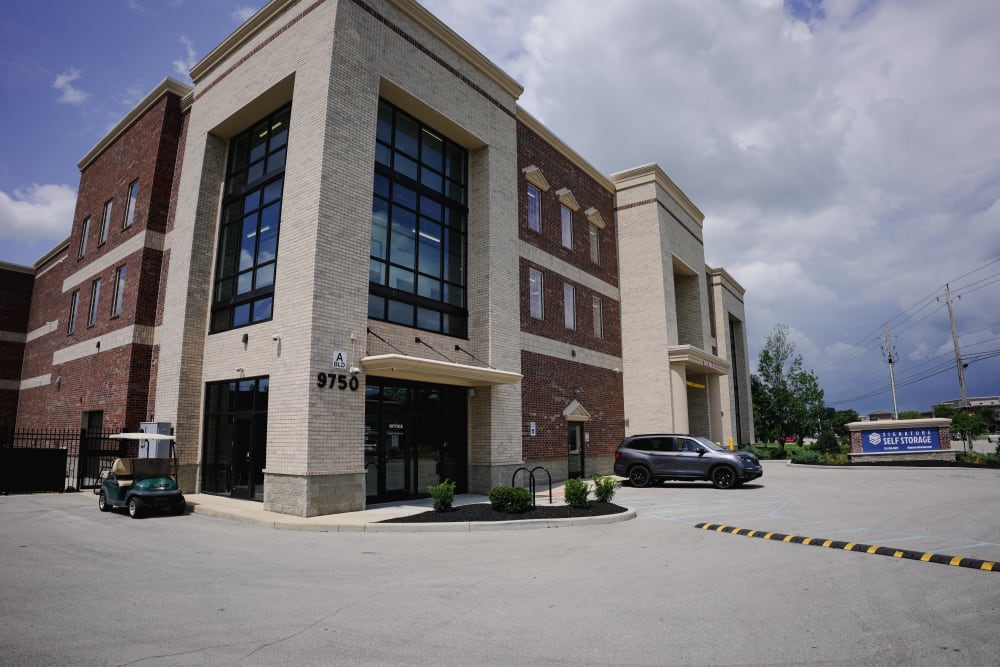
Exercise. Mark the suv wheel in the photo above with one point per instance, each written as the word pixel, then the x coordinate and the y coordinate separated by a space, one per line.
pixel 640 476
pixel 724 477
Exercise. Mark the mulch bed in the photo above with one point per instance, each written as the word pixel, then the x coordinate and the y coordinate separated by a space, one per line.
pixel 485 512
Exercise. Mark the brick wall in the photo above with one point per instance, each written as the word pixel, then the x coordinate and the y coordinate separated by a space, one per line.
pixel 105 366
pixel 15 284
pixel 549 386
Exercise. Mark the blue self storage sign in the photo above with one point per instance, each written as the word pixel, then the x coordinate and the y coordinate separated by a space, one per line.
pixel 901 440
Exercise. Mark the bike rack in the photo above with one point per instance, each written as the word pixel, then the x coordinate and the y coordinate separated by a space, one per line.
pixel 531 481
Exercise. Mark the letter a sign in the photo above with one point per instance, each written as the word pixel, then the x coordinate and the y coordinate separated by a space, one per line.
pixel 340 360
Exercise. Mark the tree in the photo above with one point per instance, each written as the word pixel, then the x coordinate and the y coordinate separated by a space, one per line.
pixel 910 414
pixel 841 419
pixel 787 400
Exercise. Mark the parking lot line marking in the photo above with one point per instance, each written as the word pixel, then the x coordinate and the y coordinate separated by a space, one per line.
pixel 926 557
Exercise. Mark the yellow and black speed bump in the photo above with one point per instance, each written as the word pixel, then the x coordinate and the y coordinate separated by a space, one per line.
pixel 956 561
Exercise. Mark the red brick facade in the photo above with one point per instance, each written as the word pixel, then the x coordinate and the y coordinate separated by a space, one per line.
pixel 105 367
pixel 551 383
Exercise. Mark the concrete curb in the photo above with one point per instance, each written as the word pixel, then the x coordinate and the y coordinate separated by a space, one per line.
pixel 331 525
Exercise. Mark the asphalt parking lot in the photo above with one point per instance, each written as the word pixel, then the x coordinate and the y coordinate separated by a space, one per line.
pixel 81 587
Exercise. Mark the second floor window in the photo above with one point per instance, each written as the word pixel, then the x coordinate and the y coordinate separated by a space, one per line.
pixel 535 293
pixel 84 233
pixel 133 193
pixel 74 305
pixel 598 313
pixel 95 298
pixel 417 263
pixel 569 306
pixel 116 302
pixel 247 254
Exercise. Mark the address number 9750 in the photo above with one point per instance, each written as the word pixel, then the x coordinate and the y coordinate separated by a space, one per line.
pixel 339 381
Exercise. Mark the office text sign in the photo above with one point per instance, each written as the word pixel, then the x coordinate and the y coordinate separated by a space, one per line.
pixel 901 440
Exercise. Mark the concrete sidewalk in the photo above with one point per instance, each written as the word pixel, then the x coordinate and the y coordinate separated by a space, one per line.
pixel 248 511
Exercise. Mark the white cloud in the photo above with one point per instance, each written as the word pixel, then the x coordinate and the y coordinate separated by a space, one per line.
pixel 70 94
pixel 37 213
pixel 183 65
pixel 846 167
pixel 243 13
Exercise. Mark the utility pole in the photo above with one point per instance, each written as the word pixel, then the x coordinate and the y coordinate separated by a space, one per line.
pixel 890 353
pixel 958 355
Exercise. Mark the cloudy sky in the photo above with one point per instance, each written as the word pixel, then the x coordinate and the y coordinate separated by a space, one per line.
pixel 846 153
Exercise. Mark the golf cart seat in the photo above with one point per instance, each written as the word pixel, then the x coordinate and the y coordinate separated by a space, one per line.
pixel 122 470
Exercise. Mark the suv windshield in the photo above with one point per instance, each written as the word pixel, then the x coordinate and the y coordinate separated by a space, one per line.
pixel 711 445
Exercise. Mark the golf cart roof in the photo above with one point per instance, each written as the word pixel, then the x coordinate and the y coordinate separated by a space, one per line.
pixel 141 436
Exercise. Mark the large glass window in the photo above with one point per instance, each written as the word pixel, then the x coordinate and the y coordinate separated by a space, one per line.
pixel 417 268
pixel 246 258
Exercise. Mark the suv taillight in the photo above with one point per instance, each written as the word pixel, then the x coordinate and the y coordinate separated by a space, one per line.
pixel 618 455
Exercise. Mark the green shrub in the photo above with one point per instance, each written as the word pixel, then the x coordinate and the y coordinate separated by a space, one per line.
pixel 604 488
pixel 838 459
pixel 827 443
pixel 510 499
pixel 576 492
pixel 443 495
pixel 805 456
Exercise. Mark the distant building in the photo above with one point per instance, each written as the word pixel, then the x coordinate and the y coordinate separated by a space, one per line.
pixel 976 402
pixel 346 265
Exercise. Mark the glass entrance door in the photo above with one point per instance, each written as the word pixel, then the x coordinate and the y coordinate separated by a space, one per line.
pixel 414 437
pixel 235 443
pixel 574 439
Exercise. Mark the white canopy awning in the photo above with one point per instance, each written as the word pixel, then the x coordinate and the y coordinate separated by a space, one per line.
pixel 405 367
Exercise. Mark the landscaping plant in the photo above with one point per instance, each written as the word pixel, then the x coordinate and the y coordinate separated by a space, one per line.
pixel 576 492
pixel 604 488
pixel 510 499
pixel 443 495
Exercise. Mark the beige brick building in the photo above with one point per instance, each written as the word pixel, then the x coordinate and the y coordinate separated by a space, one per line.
pixel 378 272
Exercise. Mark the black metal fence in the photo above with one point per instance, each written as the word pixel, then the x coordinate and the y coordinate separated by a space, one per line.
pixel 34 460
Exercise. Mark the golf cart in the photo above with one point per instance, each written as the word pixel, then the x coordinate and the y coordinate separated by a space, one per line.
pixel 145 482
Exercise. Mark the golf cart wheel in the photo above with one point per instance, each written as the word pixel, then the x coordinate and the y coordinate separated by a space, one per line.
pixel 102 502
pixel 178 507
pixel 135 507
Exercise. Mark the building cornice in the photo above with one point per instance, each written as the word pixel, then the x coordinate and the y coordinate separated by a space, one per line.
pixel 652 172
pixel 259 21
pixel 536 126
pixel 727 277
pixel 166 86
pixel 18 268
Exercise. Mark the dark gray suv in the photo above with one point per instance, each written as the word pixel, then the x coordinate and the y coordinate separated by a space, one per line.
pixel 648 459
